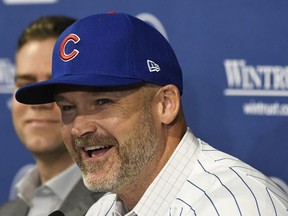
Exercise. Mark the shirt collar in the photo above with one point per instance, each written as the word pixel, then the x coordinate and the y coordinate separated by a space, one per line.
pixel 27 185
pixel 59 184
pixel 30 183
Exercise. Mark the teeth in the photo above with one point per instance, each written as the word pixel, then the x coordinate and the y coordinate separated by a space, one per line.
pixel 91 148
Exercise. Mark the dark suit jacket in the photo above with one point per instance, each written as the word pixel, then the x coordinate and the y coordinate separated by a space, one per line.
pixel 77 203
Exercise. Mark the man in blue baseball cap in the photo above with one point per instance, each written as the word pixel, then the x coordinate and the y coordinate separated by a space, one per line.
pixel 118 85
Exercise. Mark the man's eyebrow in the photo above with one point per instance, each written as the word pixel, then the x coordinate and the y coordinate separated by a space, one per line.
pixel 24 76
pixel 58 98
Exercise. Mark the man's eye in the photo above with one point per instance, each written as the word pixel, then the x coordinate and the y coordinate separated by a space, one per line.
pixel 66 108
pixel 103 101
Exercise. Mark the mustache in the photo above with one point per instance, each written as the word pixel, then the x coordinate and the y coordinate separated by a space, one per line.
pixel 94 140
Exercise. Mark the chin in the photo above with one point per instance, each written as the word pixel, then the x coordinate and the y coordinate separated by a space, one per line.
pixel 98 185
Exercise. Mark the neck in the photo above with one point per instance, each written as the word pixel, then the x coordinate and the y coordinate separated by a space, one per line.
pixel 133 191
pixel 50 166
pixel 131 194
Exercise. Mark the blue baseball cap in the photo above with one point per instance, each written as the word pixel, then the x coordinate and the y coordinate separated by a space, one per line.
pixel 107 50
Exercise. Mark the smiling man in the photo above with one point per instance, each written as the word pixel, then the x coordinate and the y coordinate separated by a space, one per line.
pixel 118 85
pixel 55 181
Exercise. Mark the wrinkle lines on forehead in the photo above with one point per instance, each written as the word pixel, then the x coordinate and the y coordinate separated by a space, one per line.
pixel 92 91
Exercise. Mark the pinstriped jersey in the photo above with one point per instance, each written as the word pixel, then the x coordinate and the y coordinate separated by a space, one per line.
pixel 202 181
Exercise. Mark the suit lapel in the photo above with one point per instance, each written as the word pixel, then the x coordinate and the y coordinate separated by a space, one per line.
pixel 16 208
pixel 79 200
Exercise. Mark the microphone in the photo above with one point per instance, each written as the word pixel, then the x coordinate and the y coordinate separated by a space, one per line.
pixel 57 213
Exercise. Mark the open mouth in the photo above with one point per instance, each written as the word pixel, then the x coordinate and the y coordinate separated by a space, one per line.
pixel 93 151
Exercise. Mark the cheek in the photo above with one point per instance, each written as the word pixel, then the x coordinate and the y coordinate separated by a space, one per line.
pixel 18 110
pixel 114 124
pixel 121 130
pixel 66 136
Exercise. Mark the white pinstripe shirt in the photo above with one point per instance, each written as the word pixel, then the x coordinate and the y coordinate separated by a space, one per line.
pixel 200 180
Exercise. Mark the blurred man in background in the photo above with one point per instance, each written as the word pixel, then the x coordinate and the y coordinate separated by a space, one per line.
pixel 55 181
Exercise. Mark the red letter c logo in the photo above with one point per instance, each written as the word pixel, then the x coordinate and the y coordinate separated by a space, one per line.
pixel 63 55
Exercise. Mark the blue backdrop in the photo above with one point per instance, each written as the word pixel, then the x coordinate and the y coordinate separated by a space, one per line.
pixel 234 56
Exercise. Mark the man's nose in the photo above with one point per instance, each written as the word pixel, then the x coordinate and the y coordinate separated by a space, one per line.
pixel 83 125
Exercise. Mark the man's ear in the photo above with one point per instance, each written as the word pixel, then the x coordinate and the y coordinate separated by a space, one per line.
pixel 169 105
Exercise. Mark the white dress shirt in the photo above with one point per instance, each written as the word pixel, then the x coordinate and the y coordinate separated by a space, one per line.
pixel 46 198
pixel 200 180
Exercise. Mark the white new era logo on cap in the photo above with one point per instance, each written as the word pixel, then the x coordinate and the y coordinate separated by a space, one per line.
pixel 152 66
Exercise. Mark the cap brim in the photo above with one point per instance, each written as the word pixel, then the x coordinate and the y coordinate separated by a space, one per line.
pixel 43 92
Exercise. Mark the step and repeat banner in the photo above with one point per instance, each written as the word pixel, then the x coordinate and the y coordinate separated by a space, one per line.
pixel 234 56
